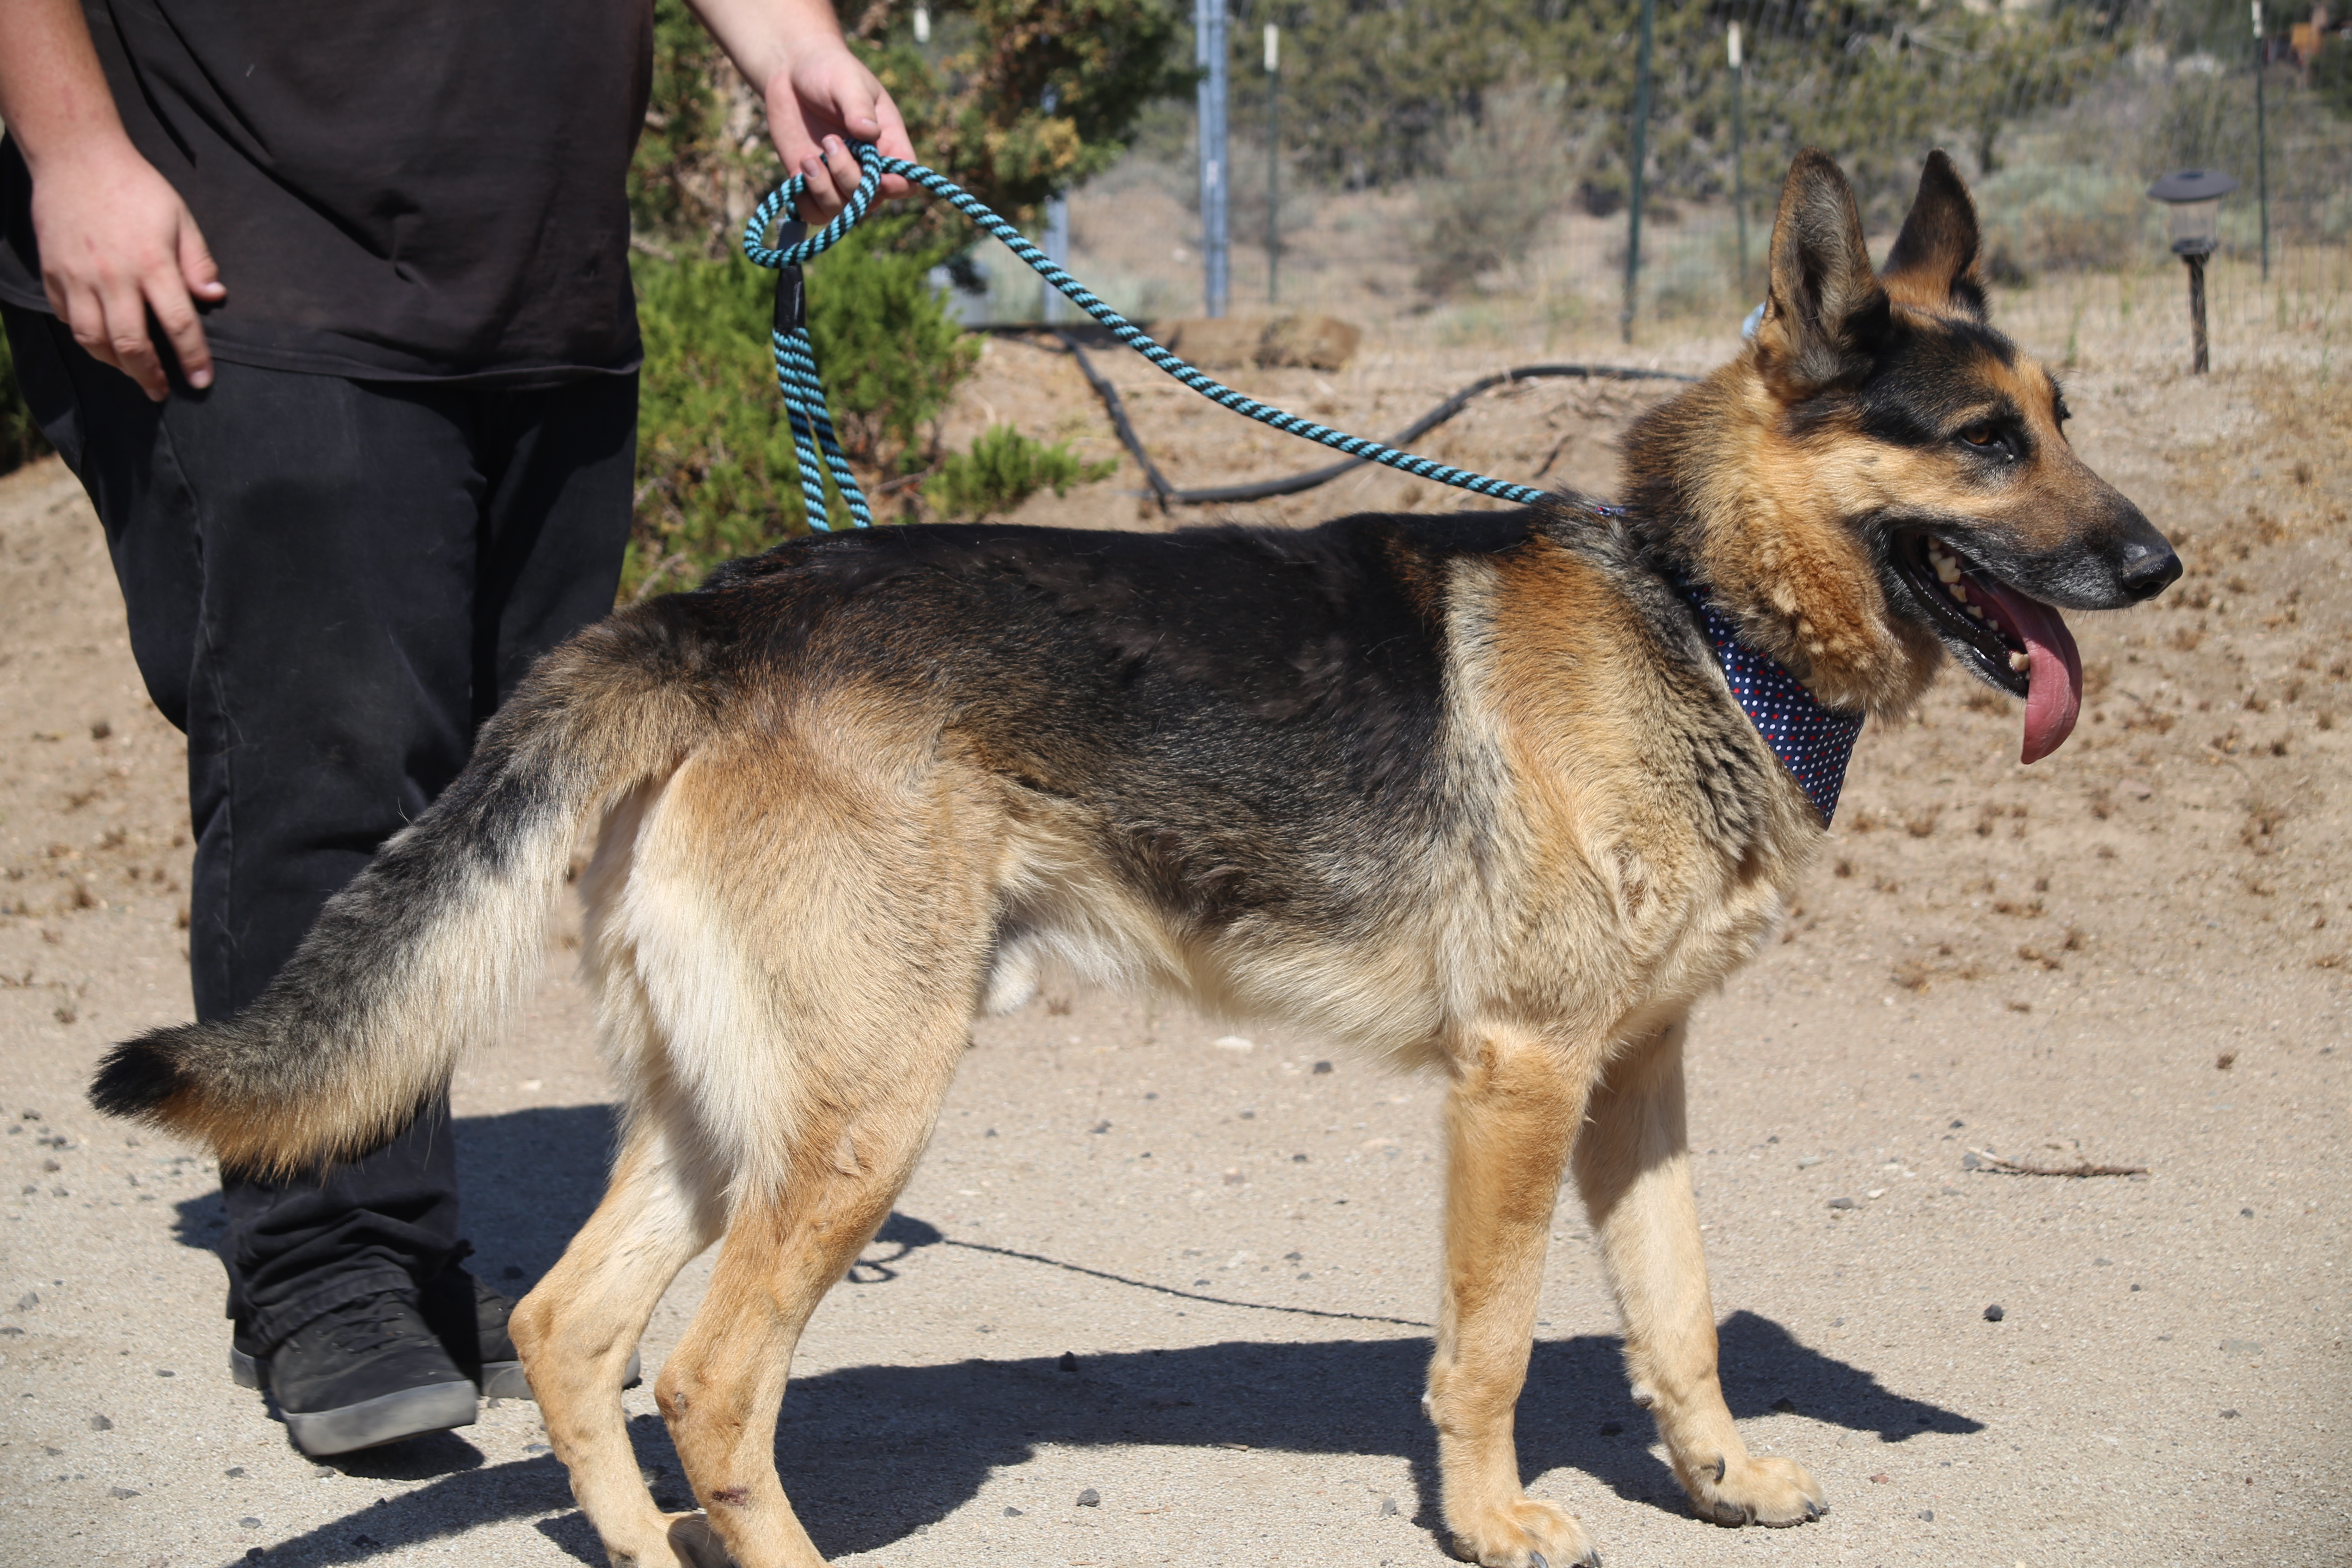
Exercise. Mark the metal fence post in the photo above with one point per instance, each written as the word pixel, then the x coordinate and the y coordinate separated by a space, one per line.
pixel 1738 158
pixel 1208 53
pixel 2262 143
pixel 1273 162
pixel 1057 229
pixel 1641 157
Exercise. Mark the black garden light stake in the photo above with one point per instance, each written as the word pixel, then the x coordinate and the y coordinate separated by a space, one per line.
pixel 2195 197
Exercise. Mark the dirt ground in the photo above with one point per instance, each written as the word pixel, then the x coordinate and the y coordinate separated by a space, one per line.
pixel 2134 953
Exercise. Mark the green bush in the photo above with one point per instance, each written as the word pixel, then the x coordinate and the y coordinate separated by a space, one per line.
pixel 1004 468
pixel 21 440
pixel 2331 75
pixel 716 472
pixel 2064 217
pixel 1504 175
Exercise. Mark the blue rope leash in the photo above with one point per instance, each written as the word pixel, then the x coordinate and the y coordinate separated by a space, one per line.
pixel 804 392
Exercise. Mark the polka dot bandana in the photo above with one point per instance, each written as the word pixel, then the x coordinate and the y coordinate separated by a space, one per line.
pixel 1814 742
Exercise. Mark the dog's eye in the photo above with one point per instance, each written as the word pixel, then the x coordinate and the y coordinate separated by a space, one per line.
pixel 1980 435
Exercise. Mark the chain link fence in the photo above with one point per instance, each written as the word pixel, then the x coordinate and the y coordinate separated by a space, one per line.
pixel 1513 127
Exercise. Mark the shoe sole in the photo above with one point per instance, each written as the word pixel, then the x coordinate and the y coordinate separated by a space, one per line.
pixel 500 1379
pixel 387 1418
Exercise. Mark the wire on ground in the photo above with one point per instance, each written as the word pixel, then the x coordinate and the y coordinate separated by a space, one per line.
pixel 1168 496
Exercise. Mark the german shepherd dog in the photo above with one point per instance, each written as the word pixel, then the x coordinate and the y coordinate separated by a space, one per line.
pixel 1469 793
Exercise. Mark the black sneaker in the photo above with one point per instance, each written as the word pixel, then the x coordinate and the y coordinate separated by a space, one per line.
pixel 365 1372
pixel 477 1340
pixel 471 1320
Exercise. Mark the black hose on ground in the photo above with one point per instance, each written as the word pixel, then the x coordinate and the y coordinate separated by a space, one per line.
pixel 1168 495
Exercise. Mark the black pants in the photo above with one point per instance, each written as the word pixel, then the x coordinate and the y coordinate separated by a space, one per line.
pixel 331 585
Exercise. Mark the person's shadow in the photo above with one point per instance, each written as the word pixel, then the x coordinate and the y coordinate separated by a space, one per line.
pixel 939 1432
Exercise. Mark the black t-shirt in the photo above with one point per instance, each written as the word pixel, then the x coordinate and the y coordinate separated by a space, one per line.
pixel 397 189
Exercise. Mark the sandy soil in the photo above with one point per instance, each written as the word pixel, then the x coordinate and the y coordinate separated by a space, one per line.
pixel 2135 954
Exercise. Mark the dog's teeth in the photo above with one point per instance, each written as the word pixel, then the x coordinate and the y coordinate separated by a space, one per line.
pixel 1976 613
pixel 1946 569
pixel 1956 592
pixel 2021 662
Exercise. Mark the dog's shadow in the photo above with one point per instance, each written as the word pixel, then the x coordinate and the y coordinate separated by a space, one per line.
pixel 939 1433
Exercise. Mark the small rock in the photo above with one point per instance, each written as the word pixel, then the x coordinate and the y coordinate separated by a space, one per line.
pixel 100 1424
pixel 1069 1362
pixel 121 1492
pixel 1299 1159
pixel 1968 1162
pixel 1843 1203
pixel 255 1555
pixel 1012 1512
pixel 166 1372
pixel 28 1301
pixel 233 1471
pixel 1929 1514
pixel 2103 1263
pixel 1322 1067
pixel 1090 1499
pixel 1785 1405
pixel 322 1472
pixel 1101 1127
pixel 2135 1284
pixel 2241 1347
pixel 1239 1045
pixel 51 1165
pixel 1993 1314
pixel 510 1272
pixel 2248 1214
pixel 1610 1429
pixel 1958 1124
pixel 536 1448
pixel 1807 1162
pixel 2229 1415
pixel 1882 1478
pixel 250 1522
pixel 1388 1509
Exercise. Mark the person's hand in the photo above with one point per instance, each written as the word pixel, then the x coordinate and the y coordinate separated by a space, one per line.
pixel 824 95
pixel 117 242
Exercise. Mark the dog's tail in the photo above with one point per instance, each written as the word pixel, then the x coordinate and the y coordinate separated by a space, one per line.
pixel 420 955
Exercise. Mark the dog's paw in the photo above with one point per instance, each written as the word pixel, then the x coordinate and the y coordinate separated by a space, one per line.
pixel 1527 1533
pixel 695 1543
pixel 1770 1492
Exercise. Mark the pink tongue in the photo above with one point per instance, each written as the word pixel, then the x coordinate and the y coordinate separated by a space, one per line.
pixel 2053 697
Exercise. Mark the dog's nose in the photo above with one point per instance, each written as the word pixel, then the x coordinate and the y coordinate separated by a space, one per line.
pixel 2149 569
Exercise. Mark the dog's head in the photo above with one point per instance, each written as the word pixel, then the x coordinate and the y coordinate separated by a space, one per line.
pixel 1888 475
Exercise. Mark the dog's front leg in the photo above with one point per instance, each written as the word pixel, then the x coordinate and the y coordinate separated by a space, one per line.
pixel 1632 1166
pixel 1515 1102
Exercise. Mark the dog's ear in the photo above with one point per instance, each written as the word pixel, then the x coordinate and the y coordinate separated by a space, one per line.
pixel 1934 262
pixel 1825 314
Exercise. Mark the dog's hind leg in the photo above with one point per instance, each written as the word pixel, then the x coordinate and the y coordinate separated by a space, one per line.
pixel 1632 1167
pixel 577 1329
pixel 721 1388
pixel 1515 1105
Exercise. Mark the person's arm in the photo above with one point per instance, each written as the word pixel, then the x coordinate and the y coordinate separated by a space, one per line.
pixel 816 91
pixel 116 240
